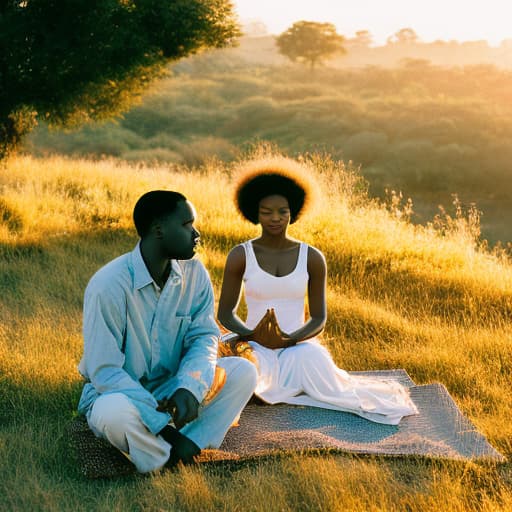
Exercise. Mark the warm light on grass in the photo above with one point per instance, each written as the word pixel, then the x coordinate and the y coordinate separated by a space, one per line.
pixel 399 296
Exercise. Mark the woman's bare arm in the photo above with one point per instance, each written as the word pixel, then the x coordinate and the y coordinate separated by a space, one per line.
pixel 230 292
pixel 317 270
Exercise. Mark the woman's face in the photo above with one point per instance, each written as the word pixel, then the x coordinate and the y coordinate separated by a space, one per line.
pixel 274 214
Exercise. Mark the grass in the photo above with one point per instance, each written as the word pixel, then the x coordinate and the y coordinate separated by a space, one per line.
pixel 424 129
pixel 430 300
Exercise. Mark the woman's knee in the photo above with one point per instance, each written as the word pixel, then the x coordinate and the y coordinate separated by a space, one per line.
pixel 307 356
pixel 306 351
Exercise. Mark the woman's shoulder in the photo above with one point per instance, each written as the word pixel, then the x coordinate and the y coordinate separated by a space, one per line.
pixel 312 250
pixel 315 256
pixel 238 250
pixel 236 258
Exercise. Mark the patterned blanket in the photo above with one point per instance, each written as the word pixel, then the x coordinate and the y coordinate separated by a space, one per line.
pixel 439 430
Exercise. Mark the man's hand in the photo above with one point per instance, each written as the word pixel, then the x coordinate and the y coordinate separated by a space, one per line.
pixel 182 406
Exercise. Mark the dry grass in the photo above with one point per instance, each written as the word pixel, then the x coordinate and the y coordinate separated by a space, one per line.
pixel 399 296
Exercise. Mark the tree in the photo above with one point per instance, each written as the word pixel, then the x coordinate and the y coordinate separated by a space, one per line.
pixel 403 36
pixel 311 42
pixel 254 28
pixel 74 61
pixel 363 39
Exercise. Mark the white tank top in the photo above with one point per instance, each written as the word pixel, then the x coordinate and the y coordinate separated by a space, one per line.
pixel 285 294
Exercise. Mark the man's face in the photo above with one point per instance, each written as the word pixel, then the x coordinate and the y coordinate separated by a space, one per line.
pixel 179 236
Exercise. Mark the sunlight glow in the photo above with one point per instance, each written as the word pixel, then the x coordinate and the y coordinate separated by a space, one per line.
pixel 463 20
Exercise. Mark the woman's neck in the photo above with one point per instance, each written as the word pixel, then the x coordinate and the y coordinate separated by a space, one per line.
pixel 275 242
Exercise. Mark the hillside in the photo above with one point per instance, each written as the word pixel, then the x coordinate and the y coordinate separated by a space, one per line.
pixel 262 50
pixel 426 130
pixel 426 299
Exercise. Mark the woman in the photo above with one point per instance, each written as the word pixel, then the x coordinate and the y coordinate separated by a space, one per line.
pixel 278 273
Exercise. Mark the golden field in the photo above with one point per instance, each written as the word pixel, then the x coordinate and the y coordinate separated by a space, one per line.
pixel 430 299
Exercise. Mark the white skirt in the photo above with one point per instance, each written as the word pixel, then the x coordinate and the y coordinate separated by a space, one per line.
pixel 305 374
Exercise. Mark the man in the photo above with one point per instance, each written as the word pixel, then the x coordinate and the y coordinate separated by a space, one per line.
pixel 150 345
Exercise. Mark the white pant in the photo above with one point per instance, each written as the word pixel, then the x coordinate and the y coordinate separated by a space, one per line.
pixel 306 374
pixel 115 418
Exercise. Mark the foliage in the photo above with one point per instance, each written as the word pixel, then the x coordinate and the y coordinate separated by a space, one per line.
pixel 74 61
pixel 403 36
pixel 311 42
pixel 399 296
pixel 425 130
pixel 362 39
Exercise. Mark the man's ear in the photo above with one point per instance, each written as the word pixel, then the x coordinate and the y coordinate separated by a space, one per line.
pixel 157 229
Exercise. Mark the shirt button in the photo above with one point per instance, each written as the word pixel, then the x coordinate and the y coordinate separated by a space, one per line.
pixel 175 281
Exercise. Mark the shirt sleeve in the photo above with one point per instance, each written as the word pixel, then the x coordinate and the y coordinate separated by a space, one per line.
pixel 197 367
pixel 103 330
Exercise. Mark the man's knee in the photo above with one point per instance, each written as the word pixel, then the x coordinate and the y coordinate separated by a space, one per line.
pixel 112 412
pixel 239 372
pixel 247 372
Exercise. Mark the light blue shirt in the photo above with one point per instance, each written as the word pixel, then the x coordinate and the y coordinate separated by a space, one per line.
pixel 147 343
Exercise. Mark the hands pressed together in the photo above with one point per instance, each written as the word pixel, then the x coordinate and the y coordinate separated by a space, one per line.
pixel 268 333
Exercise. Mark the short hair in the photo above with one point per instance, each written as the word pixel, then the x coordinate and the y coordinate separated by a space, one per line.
pixel 154 205
pixel 268 176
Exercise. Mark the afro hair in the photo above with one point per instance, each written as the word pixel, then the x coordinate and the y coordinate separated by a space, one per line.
pixel 276 175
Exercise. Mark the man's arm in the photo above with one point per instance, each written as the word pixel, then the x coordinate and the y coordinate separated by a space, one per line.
pixel 197 367
pixel 103 360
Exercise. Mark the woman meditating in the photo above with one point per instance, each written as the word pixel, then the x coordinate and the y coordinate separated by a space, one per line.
pixel 278 273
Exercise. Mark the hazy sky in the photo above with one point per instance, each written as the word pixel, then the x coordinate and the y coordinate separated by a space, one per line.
pixel 465 20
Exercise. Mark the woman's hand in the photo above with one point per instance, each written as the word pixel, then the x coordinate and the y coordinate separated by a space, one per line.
pixel 268 333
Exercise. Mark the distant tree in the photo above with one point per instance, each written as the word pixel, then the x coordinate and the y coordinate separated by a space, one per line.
pixel 363 39
pixel 73 61
pixel 403 36
pixel 309 41
pixel 254 28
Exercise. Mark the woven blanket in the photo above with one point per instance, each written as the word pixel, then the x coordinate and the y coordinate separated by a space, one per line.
pixel 439 430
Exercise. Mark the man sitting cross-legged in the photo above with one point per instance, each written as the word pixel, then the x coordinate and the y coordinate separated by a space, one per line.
pixel 150 345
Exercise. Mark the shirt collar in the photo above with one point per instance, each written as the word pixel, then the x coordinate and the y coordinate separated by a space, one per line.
pixel 141 275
